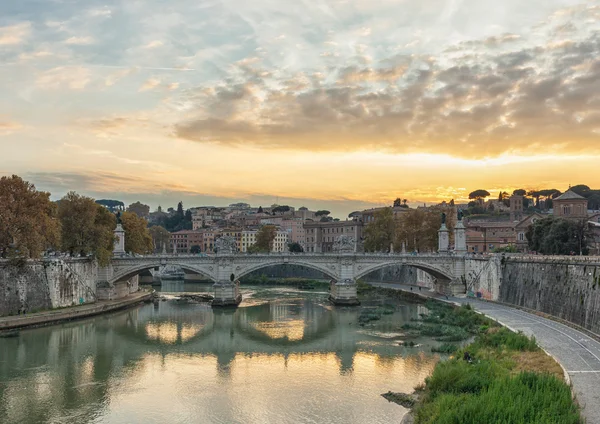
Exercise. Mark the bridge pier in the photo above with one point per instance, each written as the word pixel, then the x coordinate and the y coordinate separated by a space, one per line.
pixel 226 294
pixel 343 293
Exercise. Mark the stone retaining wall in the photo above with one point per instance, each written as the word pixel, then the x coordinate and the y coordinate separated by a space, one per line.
pixel 567 288
pixel 48 284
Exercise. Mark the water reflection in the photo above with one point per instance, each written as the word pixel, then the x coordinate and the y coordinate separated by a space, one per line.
pixel 289 360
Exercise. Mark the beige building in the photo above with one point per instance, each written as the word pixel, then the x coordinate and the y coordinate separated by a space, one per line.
pixel 320 236
pixel 485 236
pixel 570 205
pixel 280 243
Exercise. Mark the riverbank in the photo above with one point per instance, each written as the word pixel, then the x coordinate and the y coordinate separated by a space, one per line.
pixel 501 377
pixel 54 316
pixel 575 351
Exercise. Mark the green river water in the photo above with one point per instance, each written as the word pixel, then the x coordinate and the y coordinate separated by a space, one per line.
pixel 284 356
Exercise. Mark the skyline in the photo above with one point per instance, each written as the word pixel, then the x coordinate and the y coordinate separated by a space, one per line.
pixel 349 104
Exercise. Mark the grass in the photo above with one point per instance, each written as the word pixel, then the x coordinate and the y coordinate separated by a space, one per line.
pixel 446 348
pixel 362 287
pixel 446 323
pixel 509 380
pixel 374 314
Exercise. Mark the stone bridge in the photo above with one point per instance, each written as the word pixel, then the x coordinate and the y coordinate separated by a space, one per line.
pixel 344 269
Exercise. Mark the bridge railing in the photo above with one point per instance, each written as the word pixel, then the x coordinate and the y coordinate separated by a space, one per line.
pixel 290 254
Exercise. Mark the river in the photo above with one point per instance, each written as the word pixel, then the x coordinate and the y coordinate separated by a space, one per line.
pixel 283 356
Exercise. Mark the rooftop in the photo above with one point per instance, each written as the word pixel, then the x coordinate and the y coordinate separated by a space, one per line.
pixel 570 195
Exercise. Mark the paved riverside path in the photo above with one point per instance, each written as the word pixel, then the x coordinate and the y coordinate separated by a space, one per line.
pixel 577 352
pixel 73 312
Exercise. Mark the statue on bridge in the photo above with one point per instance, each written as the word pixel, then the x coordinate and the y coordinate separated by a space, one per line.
pixel 344 243
pixel 225 245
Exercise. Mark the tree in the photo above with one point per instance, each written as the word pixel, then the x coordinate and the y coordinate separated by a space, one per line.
pixel 264 239
pixel 195 249
pixel 180 213
pixel 502 196
pixel 260 209
pixel 137 236
pixel 397 202
pixel 519 192
pixel 548 194
pixel 112 205
pixel 280 209
pixel 479 194
pixel 160 237
pixel 28 223
pixel 188 216
pixel 418 228
pixel 379 234
pixel 581 189
pixel 322 213
pixel 295 247
pixel 326 219
pixel 559 236
pixel 451 202
pixel 87 227
pixel 404 202
pixel 141 210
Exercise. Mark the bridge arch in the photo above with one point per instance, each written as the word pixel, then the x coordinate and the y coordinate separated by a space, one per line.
pixel 328 271
pixel 133 270
pixel 438 272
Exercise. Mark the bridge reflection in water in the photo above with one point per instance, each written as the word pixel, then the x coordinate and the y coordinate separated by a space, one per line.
pixel 243 365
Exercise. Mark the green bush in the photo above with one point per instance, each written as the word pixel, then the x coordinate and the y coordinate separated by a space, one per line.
pixel 504 338
pixel 457 376
pixel 447 348
pixel 527 398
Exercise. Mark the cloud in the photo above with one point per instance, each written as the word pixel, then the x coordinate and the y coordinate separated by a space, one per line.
pixel 115 77
pixel 15 34
pixel 7 127
pixel 482 98
pixel 80 40
pixel 74 78
pixel 150 84
pixel 154 44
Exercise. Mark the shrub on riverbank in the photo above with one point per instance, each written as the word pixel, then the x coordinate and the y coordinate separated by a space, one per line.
pixel 447 348
pixel 487 383
pixel 447 323
pixel 374 314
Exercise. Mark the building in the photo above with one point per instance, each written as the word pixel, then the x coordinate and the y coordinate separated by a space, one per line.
pixel 248 239
pixel 521 231
pixel 320 236
pixel 516 207
pixel 208 240
pixel 293 226
pixel 485 236
pixel 235 234
pixel 368 215
pixel 183 241
pixel 570 205
pixel 304 214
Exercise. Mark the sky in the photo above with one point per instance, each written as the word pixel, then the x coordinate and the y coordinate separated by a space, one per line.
pixel 336 104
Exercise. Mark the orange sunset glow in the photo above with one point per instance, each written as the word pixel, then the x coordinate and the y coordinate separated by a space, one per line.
pixel 336 104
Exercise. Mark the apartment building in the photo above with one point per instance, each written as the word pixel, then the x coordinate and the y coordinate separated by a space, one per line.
pixel 320 236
